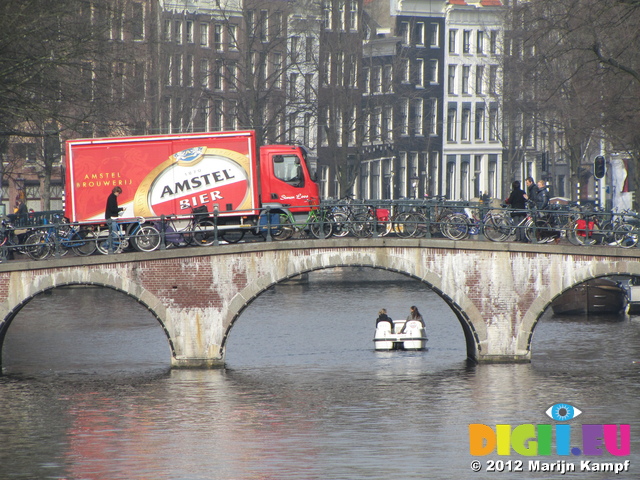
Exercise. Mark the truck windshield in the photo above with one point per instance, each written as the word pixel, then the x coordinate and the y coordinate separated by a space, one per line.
pixel 288 169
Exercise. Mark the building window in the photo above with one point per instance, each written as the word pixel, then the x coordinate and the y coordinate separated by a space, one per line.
pixel 480 42
pixel 327 17
pixel 204 73
pixel 264 26
pixel 433 71
pixel 493 78
pixel 464 180
pixel 419 34
pixel 308 49
pixel 451 83
pixel 434 35
pixel 204 35
pixel 178 31
pixel 189 25
pixel 451 176
pixel 277 70
pixel 453 36
pixel 418 112
pixel 177 70
pixel 308 83
pixel 477 172
pixel 293 80
pixel 465 79
pixel 433 122
pixel 217 37
pixel 376 79
pixel 167 30
pixel 493 124
pixel 404 32
pixel 218 75
pixel 479 122
pixel 404 117
pixel 366 79
pixel 465 126
pixel 232 30
pixel 405 78
pixel 387 79
pixel 189 71
pixel 479 79
pixel 451 123
pixel 353 15
pixel 493 42
pixel 466 41
pixel 138 21
pixel 387 124
pixel 294 45
pixel 419 72
pixel 232 70
pixel 343 14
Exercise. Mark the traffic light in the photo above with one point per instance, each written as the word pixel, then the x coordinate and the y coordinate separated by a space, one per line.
pixel 599 167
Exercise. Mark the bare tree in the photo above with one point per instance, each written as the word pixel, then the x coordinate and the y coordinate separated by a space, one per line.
pixel 60 76
pixel 573 67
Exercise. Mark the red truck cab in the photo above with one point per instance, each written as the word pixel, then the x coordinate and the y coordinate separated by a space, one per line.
pixel 285 178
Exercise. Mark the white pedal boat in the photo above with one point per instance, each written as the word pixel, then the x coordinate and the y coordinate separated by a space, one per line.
pixel 413 338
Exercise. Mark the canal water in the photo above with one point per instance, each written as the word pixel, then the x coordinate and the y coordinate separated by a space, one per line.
pixel 87 392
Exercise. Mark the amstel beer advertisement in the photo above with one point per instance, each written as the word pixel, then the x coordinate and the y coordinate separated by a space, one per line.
pixel 161 175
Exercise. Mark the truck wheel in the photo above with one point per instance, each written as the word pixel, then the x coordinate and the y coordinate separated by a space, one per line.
pixel 232 236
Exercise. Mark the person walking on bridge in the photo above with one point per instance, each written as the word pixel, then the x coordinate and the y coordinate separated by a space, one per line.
pixel 518 202
pixel 112 211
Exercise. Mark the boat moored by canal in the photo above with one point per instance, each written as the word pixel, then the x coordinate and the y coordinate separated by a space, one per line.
pixel 600 295
pixel 388 337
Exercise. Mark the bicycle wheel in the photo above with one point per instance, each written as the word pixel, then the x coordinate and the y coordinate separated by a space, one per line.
pixel 232 236
pixel 83 243
pixel 340 224
pixel 456 226
pixel 404 225
pixel 146 239
pixel 580 235
pixel 284 230
pixel 103 241
pixel 496 227
pixel 204 233
pixel 384 228
pixel 37 247
pixel 626 236
pixel 321 227
pixel 362 226
pixel 540 230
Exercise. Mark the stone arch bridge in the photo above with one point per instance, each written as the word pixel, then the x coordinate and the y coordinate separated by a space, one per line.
pixel 498 291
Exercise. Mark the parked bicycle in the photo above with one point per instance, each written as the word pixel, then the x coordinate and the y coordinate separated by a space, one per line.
pixel 499 226
pixel 59 238
pixel 140 235
pixel 199 230
pixel 319 223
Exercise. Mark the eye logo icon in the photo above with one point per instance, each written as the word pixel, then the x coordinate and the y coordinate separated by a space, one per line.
pixel 562 412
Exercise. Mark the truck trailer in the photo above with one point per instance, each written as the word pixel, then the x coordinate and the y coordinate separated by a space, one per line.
pixel 171 175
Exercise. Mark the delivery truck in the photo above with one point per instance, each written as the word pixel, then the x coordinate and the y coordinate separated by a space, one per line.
pixel 173 175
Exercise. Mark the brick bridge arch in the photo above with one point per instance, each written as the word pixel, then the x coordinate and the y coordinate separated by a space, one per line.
pixel 254 289
pixel 497 291
pixel 75 277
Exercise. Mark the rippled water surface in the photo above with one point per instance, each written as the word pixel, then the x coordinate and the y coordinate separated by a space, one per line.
pixel 87 392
